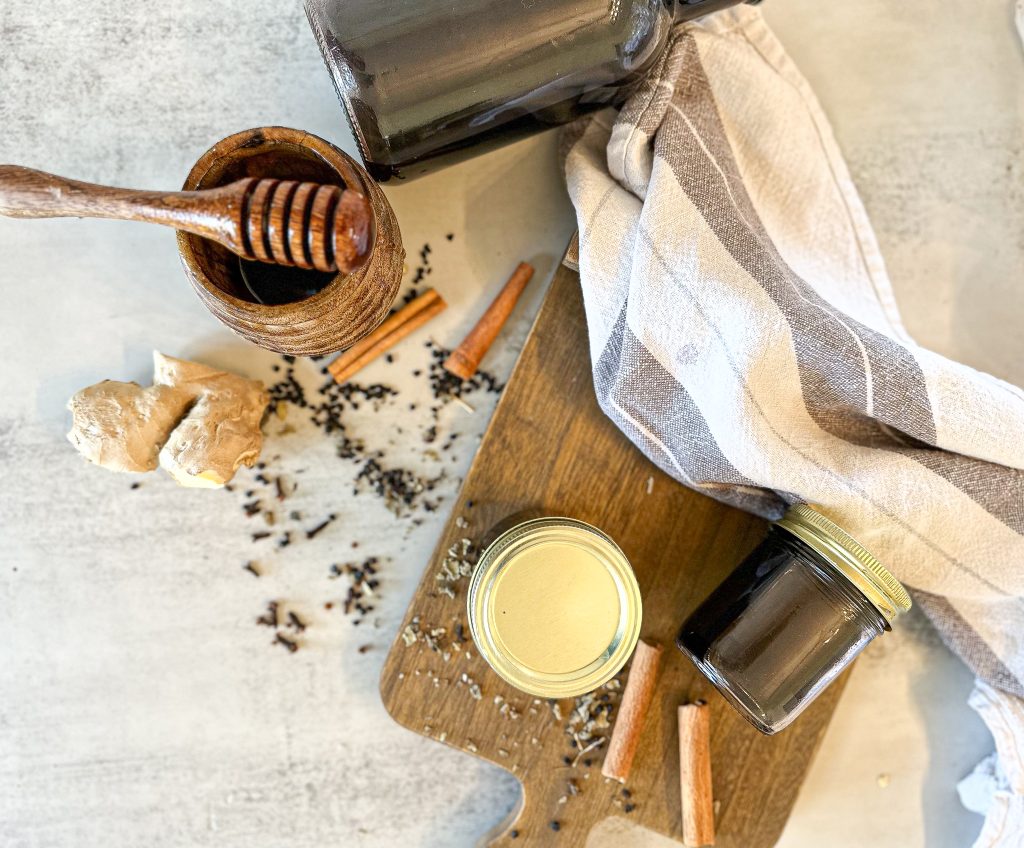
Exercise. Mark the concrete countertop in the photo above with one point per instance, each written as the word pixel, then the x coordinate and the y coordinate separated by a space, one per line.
pixel 139 702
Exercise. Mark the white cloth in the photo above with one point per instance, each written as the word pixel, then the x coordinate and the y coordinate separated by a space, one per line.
pixel 996 786
pixel 745 335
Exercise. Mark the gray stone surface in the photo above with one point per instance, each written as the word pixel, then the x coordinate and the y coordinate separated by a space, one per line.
pixel 139 703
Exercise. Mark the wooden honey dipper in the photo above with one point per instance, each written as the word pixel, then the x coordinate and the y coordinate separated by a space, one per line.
pixel 286 222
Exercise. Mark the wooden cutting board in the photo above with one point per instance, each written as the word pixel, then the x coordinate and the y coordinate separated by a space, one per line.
pixel 550 450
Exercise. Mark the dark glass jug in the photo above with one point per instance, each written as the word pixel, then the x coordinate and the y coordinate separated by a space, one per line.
pixel 422 81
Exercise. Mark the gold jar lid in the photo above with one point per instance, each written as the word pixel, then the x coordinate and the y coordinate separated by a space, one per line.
pixel 554 607
pixel 849 557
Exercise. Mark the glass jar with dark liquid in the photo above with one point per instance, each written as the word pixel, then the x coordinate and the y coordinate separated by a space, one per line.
pixel 423 80
pixel 790 618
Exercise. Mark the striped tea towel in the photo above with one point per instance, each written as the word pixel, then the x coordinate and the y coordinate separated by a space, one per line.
pixel 744 334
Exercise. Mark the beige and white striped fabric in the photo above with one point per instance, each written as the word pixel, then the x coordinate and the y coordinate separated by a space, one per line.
pixel 745 335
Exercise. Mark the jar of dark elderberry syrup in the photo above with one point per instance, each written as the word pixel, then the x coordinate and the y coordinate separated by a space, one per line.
pixel 790 618
pixel 424 82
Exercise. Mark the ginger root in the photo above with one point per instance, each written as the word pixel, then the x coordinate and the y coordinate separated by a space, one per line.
pixel 121 426
pixel 198 423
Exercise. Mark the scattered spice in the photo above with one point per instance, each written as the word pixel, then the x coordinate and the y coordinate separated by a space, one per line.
pixel 404 488
pixel 311 534
pixel 445 386
pixel 363 585
pixel 589 724
pixel 269 618
pixel 419 273
pixel 459 562
pixel 400 488
pixel 290 644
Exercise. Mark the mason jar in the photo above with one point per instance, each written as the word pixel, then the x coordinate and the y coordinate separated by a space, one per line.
pixel 423 81
pixel 554 607
pixel 791 617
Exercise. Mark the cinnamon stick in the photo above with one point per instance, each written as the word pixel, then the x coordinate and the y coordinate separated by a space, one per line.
pixel 643 674
pixel 465 359
pixel 395 328
pixel 695 775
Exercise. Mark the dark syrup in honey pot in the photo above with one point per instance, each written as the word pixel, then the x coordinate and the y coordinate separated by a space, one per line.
pixel 275 285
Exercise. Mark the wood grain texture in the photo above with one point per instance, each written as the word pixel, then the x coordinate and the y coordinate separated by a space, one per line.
pixel 360 227
pixel 281 221
pixel 549 449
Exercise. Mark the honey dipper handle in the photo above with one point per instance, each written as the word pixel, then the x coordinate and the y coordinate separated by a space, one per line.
pixel 214 213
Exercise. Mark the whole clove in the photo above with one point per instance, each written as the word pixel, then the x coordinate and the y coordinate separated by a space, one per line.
pixel 312 534
pixel 290 644
pixel 269 618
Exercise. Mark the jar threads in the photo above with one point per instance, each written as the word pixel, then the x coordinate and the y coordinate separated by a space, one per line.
pixel 844 552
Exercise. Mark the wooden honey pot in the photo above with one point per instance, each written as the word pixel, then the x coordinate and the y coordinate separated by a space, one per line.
pixel 304 312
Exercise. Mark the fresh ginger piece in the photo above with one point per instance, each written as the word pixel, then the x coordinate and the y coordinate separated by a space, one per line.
pixel 199 423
